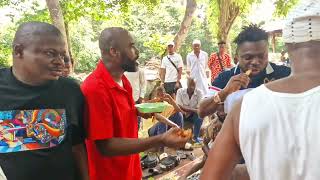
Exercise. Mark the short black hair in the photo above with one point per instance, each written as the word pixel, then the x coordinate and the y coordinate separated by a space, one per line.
pixel 27 32
pixel 251 33
pixel 221 42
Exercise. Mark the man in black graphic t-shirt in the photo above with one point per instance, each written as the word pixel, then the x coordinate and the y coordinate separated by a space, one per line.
pixel 41 130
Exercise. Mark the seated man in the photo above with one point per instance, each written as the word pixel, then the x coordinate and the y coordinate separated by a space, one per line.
pixel 210 134
pixel 172 112
pixel 188 100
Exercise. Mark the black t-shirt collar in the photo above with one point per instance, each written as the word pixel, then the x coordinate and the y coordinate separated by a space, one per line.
pixel 14 80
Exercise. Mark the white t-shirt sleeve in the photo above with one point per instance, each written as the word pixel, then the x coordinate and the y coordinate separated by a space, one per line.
pixel 180 61
pixel 163 62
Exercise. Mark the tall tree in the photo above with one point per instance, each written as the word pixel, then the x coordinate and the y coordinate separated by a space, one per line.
pixel 225 12
pixel 191 7
pixel 58 20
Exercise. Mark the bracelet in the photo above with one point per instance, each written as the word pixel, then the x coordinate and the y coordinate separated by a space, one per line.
pixel 216 98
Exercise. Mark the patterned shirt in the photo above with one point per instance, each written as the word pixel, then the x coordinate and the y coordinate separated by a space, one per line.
pixel 214 64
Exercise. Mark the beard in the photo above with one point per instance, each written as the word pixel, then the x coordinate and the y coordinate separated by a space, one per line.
pixel 128 64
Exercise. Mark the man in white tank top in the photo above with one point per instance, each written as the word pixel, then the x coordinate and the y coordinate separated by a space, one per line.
pixel 275 127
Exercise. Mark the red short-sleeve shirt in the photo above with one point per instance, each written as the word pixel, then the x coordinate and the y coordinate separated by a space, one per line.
pixel 110 112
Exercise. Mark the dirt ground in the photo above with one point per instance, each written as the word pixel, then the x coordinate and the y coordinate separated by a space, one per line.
pixel 184 164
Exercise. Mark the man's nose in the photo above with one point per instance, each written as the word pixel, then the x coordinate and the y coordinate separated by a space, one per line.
pixel 59 61
pixel 255 61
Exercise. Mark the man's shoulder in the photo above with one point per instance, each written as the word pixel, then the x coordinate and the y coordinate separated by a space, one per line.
pixel 280 67
pixel 203 52
pixel 4 72
pixel 227 55
pixel 93 84
pixel 177 56
pixel 69 85
pixel 280 70
pixel 190 54
pixel 198 92
pixel 223 78
pixel 228 73
pixel 181 91
pixel 213 54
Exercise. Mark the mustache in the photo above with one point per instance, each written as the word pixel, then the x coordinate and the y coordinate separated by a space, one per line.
pixel 56 69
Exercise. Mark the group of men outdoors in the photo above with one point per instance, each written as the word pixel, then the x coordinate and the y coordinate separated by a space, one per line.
pixel 51 128
pixel 199 66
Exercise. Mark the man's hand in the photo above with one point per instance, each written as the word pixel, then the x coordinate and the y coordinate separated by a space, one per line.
pixel 236 82
pixel 167 98
pixel 140 100
pixel 173 140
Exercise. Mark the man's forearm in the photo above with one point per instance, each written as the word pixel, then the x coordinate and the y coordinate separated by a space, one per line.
pixel 208 106
pixel 187 109
pixel 162 75
pixel 164 120
pixel 80 157
pixel 196 167
pixel 179 74
pixel 127 146
pixel 174 104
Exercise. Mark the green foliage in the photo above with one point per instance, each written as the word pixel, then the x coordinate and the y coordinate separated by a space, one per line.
pixel 84 46
pixel 153 29
pixel 6 38
pixel 284 6
pixel 151 22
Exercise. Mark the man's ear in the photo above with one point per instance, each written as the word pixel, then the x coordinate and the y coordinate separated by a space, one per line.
pixel 113 52
pixel 18 50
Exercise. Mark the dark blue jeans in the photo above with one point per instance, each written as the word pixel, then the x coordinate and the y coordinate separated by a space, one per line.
pixel 197 123
pixel 160 128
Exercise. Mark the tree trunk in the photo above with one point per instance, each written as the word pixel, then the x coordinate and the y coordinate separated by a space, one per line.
pixel 69 42
pixel 57 19
pixel 229 11
pixel 185 24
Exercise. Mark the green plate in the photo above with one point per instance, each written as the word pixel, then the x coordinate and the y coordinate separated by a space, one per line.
pixel 151 107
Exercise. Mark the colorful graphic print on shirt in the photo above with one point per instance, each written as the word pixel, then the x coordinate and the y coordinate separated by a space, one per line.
pixel 23 130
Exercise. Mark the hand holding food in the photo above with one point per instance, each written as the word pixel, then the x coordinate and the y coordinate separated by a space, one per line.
pixel 248 72
pixel 173 140
pixel 237 82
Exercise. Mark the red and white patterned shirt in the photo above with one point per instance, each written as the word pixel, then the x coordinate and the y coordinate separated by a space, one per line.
pixel 215 66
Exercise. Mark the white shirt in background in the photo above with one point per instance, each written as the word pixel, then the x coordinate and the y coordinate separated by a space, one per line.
pixel 171 72
pixel 2 176
pixel 138 83
pixel 197 67
pixel 183 99
pixel 278 134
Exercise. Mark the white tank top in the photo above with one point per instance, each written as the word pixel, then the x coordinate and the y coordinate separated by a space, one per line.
pixel 278 134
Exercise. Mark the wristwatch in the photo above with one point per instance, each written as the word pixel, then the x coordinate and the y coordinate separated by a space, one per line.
pixel 216 98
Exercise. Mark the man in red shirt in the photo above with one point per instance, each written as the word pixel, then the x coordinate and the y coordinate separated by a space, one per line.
pixel 112 127
pixel 219 61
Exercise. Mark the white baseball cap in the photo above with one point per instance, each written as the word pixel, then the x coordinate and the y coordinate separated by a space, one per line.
pixel 196 41
pixel 171 43
pixel 303 23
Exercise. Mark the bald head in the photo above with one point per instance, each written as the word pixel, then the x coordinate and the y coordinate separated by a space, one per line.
pixel 112 37
pixel 191 81
pixel 30 32
pixel 191 85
